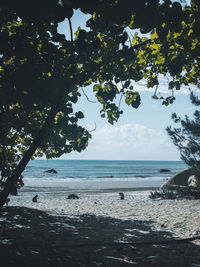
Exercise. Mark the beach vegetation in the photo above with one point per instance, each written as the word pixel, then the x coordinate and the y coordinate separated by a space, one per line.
pixel 176 192
pixel 186 137
pixel 42 70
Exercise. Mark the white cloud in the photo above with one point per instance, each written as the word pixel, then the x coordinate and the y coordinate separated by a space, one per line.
pixel 162 88
pixel 128 142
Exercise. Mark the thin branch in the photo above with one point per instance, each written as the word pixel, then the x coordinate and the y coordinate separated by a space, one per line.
pixel 87 96
pixel 129 39
pixel 120 101
pixel 156 90
pixel 71 31
pixel 131 35
pixel 95 127
pixel 167 78
pixel 121 95
pixel 72 46
pixel 182 137
pixel 63 83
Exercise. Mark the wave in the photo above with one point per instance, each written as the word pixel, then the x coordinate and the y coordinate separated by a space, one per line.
pixel 142 176
pixel 64 180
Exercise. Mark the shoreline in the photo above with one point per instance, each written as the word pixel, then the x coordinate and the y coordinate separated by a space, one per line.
pixel 67 190
pixel 93 184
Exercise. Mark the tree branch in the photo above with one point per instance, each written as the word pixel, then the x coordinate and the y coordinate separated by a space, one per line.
pixel 95 127
pixel 87 96
pixel 120 100
pixel 64 83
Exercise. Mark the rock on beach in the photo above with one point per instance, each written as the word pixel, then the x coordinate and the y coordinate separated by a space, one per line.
pixel 180 178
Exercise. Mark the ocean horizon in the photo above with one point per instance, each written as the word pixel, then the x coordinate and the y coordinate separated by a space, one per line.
pixel 99 174
pixel 71 168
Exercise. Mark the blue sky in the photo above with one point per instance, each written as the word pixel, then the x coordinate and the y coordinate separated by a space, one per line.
pixel 140 133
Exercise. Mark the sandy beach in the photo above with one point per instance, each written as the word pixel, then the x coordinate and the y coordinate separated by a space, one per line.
pixel 57 231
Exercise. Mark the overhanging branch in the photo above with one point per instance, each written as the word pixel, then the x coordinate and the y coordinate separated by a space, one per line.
pixel 65 83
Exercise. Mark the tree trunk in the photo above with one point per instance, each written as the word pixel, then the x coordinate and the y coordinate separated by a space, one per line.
pixel 80 79
pixel 26 158
pixel 12 180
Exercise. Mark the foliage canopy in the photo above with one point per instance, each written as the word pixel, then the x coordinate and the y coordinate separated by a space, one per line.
pixel 42 71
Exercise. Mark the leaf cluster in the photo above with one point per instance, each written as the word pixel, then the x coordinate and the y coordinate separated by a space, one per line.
pixel 174 48
pixel 42 70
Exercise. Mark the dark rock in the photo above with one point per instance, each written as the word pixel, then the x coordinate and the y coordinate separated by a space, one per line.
pixel 121 196
pixel 164 170
pixel 72 196
pixel 180 178
pixel 51 171
pixel 34 199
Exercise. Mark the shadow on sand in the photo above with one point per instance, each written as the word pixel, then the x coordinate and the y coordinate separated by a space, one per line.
pixel 29 237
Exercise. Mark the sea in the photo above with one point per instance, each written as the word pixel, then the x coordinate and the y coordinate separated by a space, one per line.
pixel 77 175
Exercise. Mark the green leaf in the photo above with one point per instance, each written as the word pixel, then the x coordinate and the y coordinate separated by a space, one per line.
pixel 136 102
pixel 133 99
pixel 96 87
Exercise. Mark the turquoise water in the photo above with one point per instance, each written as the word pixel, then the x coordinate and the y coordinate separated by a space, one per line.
pixel 101 169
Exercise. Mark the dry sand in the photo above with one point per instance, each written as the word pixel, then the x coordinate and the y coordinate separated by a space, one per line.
pixel 58 231
pixel 182 217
